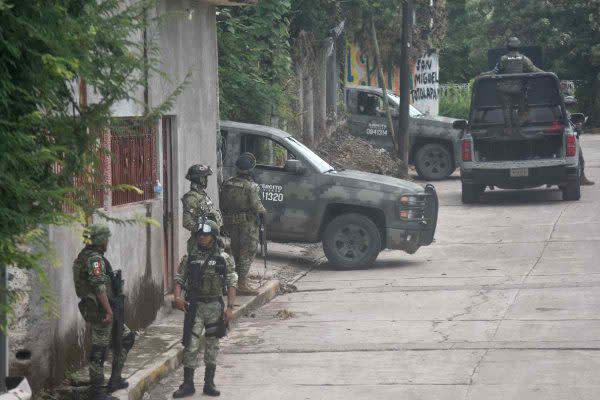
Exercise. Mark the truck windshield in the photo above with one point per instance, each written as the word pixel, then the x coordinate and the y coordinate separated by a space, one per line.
pixel 412 110
pixel 314 159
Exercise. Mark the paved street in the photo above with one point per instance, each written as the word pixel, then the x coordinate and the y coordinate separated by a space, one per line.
pixel 505 305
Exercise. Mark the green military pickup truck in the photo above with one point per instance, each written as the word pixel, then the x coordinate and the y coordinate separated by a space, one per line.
pixel 355 214
pixel 434 144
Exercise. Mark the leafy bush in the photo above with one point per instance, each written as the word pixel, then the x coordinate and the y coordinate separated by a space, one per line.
pixel 455 101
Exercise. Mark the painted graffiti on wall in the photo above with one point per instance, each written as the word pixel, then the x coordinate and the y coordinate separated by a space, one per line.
pixel 426 84
pixel 361 70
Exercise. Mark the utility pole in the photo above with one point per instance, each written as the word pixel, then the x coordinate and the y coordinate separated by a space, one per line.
pixel 386 102
pixel 3 329
pixel 405 72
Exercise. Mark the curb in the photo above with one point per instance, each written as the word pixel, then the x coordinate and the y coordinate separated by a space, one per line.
pixel 141 381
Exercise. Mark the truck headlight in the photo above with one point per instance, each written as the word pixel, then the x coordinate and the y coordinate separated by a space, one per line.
pixel 408 199
pixel 409 214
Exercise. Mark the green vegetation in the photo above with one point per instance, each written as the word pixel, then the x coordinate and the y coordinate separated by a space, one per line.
pixel 567 31
pixel 455 102
pixel 254 61
pixel 49 139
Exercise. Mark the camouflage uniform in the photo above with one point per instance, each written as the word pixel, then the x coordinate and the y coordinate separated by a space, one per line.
pixel 92 275
pixel 241 205
pixel 510 92
pixel 203 275
pixel 209 312
pixel 197 203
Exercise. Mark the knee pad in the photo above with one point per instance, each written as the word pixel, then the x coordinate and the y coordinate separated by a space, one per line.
pixel 98 354
pixel 128 341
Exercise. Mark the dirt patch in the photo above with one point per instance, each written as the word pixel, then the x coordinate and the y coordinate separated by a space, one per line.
pixel 351 152
pixel 285 314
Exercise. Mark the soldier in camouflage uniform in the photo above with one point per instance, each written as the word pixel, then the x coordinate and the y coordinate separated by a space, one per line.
pixel 242 208
pixel 92 274
pixel 204 274
pixel 197 203
pixel 511 91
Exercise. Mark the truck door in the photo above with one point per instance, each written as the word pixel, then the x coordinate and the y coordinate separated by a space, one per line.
pixel 367 117
pixel 287 196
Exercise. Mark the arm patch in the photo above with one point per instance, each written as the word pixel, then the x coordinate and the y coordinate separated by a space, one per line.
pixel 96 267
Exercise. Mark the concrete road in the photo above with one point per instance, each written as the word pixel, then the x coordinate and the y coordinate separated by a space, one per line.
pixel 504 305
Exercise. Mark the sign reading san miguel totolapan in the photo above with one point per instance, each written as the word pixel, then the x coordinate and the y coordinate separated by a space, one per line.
pixel 426 84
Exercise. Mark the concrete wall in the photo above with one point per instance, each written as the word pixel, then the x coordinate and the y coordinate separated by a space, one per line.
pixel 55 343
pixel 187 37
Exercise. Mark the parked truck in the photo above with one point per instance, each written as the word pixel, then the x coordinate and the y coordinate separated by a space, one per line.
pixel 540 148
pixel 434 144
pixel 354 214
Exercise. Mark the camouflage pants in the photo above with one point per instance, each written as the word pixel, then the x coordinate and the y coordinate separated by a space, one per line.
pixel 101 341
pixel 244 240
pixel 207 313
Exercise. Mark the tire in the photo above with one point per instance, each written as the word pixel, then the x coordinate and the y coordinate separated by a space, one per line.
pixel 433 162
pixel 572 190
pixel 351 241
pixel 471 192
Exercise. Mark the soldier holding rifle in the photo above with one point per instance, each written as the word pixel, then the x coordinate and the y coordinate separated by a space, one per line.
pixel 206 274
pixel 101 292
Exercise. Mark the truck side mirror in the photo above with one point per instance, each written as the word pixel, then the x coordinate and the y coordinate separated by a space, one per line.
pixel 295 167
pixel 578 118
pixel 460 124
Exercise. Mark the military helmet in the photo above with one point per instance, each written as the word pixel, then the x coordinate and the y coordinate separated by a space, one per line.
pixel 96 234
pixel 198 170
pixel 246 162
pixel 513 43
pixel 209 227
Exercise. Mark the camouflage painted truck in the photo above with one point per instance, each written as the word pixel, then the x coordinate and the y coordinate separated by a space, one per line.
pixel 434 144
pixel 543 148
pixel 354 214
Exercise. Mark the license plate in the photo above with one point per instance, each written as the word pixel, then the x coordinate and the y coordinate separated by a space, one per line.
pixel 519 172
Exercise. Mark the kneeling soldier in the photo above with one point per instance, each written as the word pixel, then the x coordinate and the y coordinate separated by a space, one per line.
pixel 96 284
pixel 206 275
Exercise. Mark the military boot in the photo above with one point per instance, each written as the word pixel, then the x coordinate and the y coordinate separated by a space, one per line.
pixel 585 181
pixel 209 381
pixel 115 384
pixel 244 289
pixel 187 387
pixel 97 393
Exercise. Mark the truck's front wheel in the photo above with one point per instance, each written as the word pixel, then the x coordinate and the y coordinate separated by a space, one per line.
pixel 351 241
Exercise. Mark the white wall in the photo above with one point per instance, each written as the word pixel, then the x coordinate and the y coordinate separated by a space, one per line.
pixel 188 38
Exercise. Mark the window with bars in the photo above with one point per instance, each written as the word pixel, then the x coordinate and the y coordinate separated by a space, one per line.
pixel 133 159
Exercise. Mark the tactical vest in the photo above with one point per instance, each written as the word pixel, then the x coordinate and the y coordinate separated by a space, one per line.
pixel 210 210
pixel 205 275
pixel 513 63
pixel 83 287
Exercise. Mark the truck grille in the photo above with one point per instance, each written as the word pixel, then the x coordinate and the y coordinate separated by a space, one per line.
pixel 430 215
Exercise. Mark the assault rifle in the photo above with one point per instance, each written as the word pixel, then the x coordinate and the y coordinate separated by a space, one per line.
pixel 262 235
pixel 118 307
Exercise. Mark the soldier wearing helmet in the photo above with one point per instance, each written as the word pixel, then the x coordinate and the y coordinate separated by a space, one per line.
pixel 242 207
pixel 92 275
pixel 205 275
pixel 197 204
pixel 511 91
